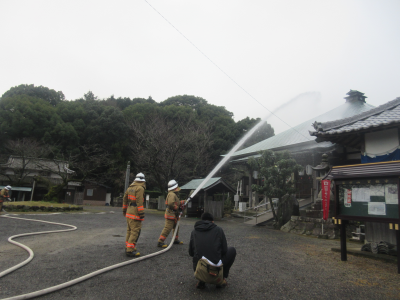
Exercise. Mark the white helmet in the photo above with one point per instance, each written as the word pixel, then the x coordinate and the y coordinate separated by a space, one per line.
pixel 140 177
pixel 8 187
pixel 172 185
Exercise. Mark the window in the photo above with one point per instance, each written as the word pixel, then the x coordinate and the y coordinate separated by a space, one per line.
pixel 89 192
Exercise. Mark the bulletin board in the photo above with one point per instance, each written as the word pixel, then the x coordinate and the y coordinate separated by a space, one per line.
pixel 370 198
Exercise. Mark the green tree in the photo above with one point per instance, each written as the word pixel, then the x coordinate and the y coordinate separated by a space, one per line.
pixel 123 103
pixel 185 100
pixel 265 131
pixel 89 96
pixel 275 170
pixel 23 116
pixel 110 131
pixel 141 112
pixel 44 93
pixel 223 131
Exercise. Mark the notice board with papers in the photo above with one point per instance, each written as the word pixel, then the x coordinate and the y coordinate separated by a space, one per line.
pixel 376 198
pixel 367 192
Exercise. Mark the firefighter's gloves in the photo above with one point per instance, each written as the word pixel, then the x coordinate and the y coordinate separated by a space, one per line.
pixel 182 205
pixel 141 215
pixel 124 213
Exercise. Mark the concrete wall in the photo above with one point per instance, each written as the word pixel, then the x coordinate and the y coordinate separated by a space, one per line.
pixel 95 203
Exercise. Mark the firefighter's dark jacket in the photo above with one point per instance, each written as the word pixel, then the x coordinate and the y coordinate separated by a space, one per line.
pixel 208 240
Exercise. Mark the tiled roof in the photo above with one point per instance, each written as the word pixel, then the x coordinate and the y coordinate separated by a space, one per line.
pixel 386 114
pixel 300 133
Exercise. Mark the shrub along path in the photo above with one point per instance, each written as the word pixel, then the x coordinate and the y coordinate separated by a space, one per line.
pixel 39 206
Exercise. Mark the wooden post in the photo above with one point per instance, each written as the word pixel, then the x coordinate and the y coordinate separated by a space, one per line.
pixel 250 189
pixel 343 248
pixel 33 189
pixel 128 171
pixel 398 250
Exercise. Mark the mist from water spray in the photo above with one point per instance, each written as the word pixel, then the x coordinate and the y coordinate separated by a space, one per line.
pixel 237 146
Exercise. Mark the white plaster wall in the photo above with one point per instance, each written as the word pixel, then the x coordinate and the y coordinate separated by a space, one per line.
pixel 380 142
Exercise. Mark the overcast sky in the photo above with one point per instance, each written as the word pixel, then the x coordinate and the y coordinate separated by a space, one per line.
pixel 248 56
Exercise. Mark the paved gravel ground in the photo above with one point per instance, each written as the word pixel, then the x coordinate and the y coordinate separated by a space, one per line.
pixel 269 264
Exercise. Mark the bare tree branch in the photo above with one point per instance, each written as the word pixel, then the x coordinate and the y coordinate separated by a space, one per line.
pixel 168 149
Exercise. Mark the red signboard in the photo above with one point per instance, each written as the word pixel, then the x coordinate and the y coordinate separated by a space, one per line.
pixel 326 195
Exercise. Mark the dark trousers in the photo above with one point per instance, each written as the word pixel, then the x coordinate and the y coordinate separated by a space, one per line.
pixel 227 260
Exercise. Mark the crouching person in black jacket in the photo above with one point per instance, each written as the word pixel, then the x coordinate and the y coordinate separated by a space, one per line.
pixel 212 258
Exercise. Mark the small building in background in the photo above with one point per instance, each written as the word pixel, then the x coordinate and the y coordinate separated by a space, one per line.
pixel 30 176
pixel 210 198
pixel 375 137
pixel 96 194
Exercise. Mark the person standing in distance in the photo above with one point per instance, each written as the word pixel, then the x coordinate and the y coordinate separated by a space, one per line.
pixel 133 210
pixel 171 214
pixel 208 241
pixel 4 195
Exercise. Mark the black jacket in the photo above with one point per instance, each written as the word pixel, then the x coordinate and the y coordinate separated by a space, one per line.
pixel 208 240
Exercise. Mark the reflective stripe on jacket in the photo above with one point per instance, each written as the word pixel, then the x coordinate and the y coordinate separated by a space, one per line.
pixel 134 217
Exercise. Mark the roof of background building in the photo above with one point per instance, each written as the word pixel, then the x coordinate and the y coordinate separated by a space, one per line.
pixel 193 184
pixel 386 114
pixel 212 182
pixel 16 162
pixel 300 133
pixel 18 188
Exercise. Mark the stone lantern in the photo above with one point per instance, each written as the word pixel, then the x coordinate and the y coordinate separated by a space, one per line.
pixel 322 169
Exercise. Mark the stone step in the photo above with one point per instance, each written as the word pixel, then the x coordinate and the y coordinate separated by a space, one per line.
pixel 316 206
pixel 314 213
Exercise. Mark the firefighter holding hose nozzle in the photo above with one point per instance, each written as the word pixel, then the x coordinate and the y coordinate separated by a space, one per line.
pixel 173 205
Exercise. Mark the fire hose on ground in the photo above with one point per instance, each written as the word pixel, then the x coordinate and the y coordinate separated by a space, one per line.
pixel 79 279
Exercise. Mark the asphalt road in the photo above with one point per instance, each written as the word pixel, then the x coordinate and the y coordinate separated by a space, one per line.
pixel 269 265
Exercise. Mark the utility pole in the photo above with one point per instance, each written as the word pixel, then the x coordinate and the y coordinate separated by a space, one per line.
pixel 128 171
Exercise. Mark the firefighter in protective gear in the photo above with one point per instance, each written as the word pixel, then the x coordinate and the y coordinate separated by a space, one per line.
pixel 133 210
pixel 173 204
pixel 4 195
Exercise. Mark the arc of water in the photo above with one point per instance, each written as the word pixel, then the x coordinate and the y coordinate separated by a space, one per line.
pixel 235 148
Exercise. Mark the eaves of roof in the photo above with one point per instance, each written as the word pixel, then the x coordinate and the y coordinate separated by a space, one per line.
pixel 292 148
pixel 212 182
pixel 193 184
pixel 381 116
pixel 387 168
